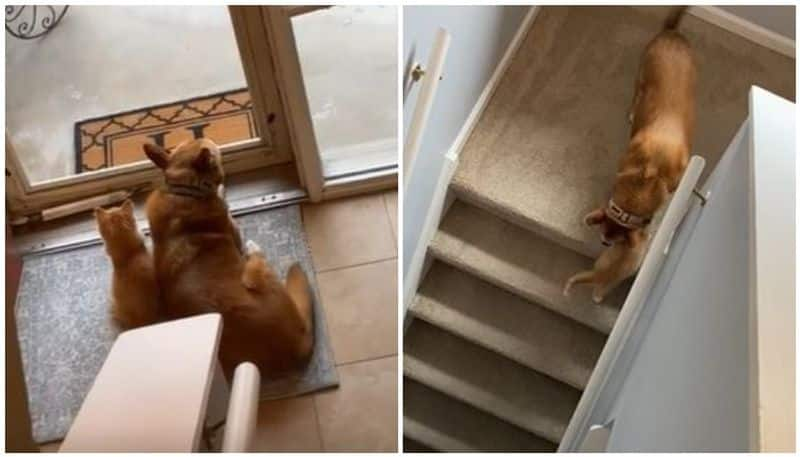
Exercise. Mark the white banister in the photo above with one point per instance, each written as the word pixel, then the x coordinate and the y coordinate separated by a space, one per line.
pixel 422 109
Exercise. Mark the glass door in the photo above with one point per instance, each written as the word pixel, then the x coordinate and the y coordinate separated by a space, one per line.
pixel 340 67
pixel 86 91
pixel 348 57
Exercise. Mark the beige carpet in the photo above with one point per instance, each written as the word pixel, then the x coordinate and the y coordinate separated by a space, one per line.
pixel 548 143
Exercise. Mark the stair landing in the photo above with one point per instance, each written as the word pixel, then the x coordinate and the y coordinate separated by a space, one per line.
pixel 545 151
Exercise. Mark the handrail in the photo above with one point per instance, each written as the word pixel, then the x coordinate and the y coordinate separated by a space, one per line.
pixel 422 109
pixel 631 309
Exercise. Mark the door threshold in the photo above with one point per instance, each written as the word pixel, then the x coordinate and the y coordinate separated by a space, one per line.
pixel 246 193
pixel 362 183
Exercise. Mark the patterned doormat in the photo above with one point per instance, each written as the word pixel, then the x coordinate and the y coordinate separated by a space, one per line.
pixel 117 139
pixel 65 332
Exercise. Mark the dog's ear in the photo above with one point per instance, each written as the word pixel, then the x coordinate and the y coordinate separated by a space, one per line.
pixel 203 160
pixel 99 213
pixel 157 154
pixel 127 206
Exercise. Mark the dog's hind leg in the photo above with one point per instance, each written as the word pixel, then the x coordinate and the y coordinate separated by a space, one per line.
pixel 580 278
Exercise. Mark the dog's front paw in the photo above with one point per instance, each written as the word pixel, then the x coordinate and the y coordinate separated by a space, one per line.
pixel 252 248
pixel 597 298
pixel 566 289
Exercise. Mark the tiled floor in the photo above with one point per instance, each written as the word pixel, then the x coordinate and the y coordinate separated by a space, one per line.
pixel 353 244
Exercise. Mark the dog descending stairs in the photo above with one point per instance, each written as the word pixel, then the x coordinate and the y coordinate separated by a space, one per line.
pixel 496 357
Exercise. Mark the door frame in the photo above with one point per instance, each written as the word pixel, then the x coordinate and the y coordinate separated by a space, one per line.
pixel 26 198
pixel 274 78
pixel 298 114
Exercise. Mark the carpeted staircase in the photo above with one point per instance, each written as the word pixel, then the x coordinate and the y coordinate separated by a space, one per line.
pixel 496 357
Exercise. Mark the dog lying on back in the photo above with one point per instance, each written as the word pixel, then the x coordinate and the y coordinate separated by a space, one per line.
pixel 134 291
pixel 662 127
pixel 201 269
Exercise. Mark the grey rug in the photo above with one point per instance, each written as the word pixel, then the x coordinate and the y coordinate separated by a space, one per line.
pixel 65 332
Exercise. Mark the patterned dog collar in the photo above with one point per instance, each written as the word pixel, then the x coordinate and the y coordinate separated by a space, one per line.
pixel 624 218
pixel 189 190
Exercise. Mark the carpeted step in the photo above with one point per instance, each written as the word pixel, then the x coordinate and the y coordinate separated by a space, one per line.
pixel 521 262
pixel 546 148
pixel 488 381
pixel 509 325
pixel 444 423
pixel 410 445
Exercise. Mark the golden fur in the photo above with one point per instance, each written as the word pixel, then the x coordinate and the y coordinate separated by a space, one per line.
pixel 134 291
pixel 662 116
pixel 200 267
pixel 616 264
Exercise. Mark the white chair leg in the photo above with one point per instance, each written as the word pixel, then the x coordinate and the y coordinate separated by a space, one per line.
pixel 240 423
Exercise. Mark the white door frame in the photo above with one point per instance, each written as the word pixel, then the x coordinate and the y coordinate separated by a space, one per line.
pixel 25 197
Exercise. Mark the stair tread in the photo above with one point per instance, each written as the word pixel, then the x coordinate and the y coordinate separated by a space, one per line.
pixel 444 423
pixel 521 262
pixel 412 445
pixel 488 381
pixel 546 148
pixel 508 324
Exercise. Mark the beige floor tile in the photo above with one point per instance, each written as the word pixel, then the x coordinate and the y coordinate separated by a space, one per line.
pixel 348 232
pixel 361 310
pixel 287 425
pixel 361 415
pixel 390 198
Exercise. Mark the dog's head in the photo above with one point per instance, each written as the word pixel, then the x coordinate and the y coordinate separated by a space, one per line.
pixel 195 163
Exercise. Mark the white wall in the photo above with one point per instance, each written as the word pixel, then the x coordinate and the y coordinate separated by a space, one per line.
pixel 687 387
pixel 779 19
pixel 479 37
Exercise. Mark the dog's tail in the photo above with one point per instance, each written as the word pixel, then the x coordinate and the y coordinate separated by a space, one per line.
pixel 298 289
pixel 674 18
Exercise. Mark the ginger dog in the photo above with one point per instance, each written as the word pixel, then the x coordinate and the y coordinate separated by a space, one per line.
pixel 616 264
pixel 201 269
pixel 134 291
pixel 662 117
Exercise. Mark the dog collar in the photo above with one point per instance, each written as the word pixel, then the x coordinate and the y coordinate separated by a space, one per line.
pixel 189 190
pixel 624 218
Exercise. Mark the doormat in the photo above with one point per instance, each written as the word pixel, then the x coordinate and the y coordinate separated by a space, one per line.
pixel 117 139
pixel 65 331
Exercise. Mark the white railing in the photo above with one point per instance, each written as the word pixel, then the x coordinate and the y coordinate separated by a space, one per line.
pixel 422 109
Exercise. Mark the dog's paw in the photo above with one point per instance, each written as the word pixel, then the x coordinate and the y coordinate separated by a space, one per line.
pixel 597 298
pixel 566 289
pixel 251 248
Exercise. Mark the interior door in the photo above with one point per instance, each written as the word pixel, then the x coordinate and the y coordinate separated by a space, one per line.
pixel 84 93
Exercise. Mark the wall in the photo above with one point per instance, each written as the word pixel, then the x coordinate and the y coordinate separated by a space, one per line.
pixel 479 38
pixel 779 19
